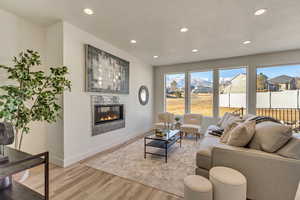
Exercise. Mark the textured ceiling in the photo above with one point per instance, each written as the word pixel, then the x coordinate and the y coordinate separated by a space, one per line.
pixel 216 27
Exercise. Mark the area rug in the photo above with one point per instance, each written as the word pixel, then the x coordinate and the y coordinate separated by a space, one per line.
pixel 128 162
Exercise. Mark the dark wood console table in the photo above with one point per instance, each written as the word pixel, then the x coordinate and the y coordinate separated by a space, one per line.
pixel 20 161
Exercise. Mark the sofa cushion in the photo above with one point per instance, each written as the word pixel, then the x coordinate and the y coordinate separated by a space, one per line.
pixel 270 136
pixel 291 149
pixel 241 135
pixel 203 156
pixel 222 119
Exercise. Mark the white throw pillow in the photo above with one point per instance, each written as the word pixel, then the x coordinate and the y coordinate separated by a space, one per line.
pixel 242 134
pixel 270 136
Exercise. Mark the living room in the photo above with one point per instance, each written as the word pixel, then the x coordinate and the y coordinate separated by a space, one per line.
pixel 102 132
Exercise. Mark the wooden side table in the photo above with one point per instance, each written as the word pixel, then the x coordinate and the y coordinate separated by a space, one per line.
pixel 20 161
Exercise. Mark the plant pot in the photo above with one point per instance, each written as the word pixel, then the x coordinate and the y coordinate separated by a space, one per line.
pixel 5 182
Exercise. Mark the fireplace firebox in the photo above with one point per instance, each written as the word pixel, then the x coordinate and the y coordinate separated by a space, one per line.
pixel 108 113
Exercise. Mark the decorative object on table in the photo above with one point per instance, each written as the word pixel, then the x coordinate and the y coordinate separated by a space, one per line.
pixel 6 138
pixel 228 183
pixel 192 124
pixel 177 124
pixel 105 72
pixel 197 187
pixel 160 133
pixel 143 95
pixel 35 95
pixel 165 121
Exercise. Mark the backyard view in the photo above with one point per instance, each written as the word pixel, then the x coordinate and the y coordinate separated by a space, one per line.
pixel 277 92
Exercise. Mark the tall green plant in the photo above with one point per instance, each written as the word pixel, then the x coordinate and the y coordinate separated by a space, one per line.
pixel 34 96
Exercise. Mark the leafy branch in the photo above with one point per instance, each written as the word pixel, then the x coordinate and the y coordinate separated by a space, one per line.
pixel 34 97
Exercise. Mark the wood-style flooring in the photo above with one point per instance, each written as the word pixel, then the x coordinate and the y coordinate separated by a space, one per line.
pixel 80 182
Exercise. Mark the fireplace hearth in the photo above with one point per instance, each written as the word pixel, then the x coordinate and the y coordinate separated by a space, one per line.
pixel 108 113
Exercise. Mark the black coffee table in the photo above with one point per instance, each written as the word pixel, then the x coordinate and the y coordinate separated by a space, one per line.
pixel 165 142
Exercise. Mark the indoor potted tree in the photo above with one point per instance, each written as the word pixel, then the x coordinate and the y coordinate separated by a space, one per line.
pixel 34 94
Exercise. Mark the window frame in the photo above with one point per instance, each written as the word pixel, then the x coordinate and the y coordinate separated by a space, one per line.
pixel 215 79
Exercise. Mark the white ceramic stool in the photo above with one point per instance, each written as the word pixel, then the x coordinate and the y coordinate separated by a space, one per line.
pixel 228 184
pixel 197 188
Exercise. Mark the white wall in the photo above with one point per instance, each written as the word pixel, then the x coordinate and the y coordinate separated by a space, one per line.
pixel 78 142
pixel 253 61
pixel 17 35
pixel 55 132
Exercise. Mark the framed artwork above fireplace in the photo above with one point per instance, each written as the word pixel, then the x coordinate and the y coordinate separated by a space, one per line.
pixel 105 72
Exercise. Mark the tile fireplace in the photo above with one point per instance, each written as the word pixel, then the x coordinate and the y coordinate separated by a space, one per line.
pixel 107 114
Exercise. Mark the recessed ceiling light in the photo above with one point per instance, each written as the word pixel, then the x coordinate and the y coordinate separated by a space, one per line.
pixel 132 41
pixel 247 42
pixel 155 56
pixel 184 29
pixel 260 11
pixel 88 11
pixel 195 50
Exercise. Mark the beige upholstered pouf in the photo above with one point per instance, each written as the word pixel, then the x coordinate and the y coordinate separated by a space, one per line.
pixel 197 188
pixel 228 184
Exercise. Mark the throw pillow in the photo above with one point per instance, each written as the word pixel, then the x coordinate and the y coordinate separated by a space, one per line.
pixel 270 136
pixel 222 119
pixel 225 135
pixel 291 149
pixel 231 118
pixel 241 135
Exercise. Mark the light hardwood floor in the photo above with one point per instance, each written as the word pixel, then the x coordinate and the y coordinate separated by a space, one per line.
pixel 80 182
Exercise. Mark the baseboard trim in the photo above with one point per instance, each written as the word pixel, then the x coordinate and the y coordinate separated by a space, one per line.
pixel 85 157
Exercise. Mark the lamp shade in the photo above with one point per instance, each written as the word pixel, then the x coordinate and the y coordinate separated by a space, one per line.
pixel 6 133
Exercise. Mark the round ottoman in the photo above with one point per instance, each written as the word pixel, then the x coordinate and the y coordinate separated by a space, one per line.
pixel 197 188
pixel 228 184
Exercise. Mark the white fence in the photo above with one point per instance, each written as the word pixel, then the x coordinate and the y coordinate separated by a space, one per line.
pixel 283 99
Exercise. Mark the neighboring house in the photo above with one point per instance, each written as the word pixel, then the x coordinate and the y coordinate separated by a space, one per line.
pixel 262 82
pixel 237 84
pixel 283 82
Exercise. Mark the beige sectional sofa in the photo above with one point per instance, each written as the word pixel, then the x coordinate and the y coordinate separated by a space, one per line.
pixel 269 175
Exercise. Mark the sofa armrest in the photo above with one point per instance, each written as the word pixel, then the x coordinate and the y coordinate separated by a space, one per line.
pixel 269 176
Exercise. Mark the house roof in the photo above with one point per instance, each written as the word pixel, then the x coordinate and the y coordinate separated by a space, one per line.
pixel 281 79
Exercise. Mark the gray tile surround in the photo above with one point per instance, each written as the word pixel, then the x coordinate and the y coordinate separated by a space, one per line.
pixel 109 126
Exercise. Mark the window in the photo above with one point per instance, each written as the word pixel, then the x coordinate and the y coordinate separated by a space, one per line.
pixel 232 90
pixel 175 93
pixel 202 93
pixel 278 93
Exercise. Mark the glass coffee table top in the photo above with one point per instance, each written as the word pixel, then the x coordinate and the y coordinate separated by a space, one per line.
pixel 168 134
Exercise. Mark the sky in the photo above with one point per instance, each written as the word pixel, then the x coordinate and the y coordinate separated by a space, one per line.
pixel 271 72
